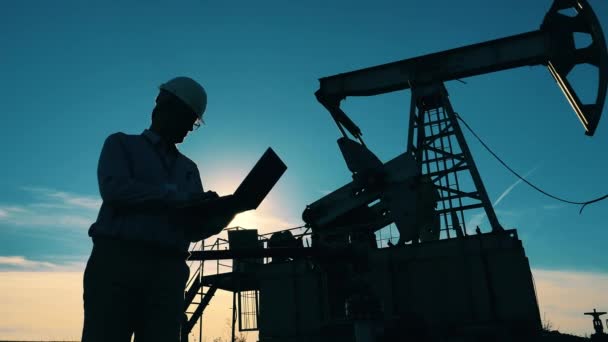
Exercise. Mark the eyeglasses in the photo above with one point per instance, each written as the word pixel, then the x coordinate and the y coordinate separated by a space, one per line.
pixel 198 123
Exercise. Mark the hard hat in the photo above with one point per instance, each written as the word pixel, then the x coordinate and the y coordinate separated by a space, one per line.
pixel 189 91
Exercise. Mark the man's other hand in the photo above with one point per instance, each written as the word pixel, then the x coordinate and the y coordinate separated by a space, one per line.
pixel 187 200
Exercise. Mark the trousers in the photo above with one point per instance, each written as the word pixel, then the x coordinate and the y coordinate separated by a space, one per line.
pixel 132 289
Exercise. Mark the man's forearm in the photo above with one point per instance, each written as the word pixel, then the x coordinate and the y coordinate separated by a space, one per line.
pixel 130 193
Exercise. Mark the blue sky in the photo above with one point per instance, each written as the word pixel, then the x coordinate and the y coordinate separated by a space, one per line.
pixel 74 72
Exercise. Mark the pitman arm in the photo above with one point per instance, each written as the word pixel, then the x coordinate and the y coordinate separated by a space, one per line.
pixel 378 195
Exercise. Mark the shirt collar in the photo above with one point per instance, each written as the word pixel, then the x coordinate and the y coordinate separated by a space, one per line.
pixel 158 141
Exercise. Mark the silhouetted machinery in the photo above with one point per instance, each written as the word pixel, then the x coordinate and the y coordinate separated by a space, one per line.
pixel 438 282
pixel 599 334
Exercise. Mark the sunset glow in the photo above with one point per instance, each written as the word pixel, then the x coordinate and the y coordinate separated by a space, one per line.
pixel 48 305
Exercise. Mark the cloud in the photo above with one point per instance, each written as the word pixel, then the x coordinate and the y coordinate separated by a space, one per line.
pixel 85 202
pixel 52 208
pixel 68 199
pixel 6 211
pixel 20 262
pixel 39 217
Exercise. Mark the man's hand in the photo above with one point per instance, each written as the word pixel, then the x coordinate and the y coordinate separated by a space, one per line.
pixel 210 203
pixel 207 214
pixel 202 196
pixel 190 200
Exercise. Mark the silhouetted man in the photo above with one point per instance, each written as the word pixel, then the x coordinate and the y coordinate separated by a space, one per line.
pixel 135 277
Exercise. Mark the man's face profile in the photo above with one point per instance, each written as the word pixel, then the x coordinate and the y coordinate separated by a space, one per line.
pixel 174 119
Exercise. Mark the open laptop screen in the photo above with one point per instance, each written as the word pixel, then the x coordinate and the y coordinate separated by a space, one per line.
pixel 260 180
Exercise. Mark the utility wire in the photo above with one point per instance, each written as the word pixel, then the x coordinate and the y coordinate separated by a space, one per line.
pixel 582 204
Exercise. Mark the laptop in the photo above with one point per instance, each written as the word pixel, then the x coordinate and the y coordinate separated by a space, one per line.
pixel 260 180
pixel 253 189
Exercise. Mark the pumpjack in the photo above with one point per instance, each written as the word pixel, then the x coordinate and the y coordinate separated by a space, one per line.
pixel 438 282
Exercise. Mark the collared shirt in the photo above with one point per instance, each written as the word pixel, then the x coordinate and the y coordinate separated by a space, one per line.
pixel 168 152
pixel 139 177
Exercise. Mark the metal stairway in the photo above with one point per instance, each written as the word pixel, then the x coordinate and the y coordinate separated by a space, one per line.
pixel 194 288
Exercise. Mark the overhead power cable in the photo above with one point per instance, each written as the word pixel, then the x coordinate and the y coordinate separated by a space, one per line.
pixel 582 204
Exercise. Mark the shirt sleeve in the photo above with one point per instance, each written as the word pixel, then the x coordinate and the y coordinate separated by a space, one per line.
pixel 198 184
pixel 117 185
